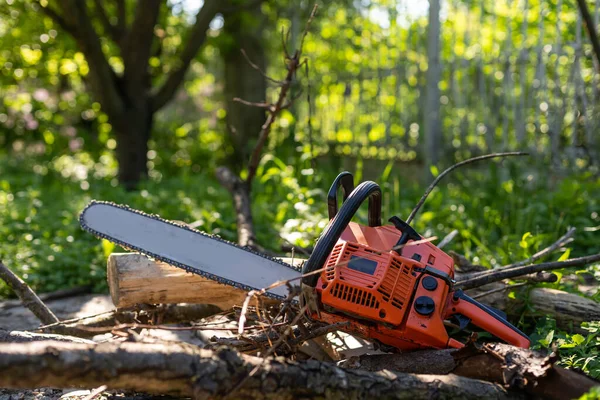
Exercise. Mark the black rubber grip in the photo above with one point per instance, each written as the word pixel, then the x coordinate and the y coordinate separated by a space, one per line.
pixel 336 226
pixel 346 181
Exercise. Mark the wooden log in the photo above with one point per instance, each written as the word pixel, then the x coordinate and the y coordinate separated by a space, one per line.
pixel 185 370
pixel 136 279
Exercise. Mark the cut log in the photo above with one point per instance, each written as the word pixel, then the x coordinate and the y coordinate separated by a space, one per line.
pixel 186 370
pixel 136 279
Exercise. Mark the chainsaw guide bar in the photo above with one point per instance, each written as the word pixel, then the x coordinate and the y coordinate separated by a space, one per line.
pixel 181 246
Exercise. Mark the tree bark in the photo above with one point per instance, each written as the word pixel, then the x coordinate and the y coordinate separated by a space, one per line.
pixel 508 365
pixel 431 123
pixel 242 80
pixel 240 193
pixel 185 370
pixel 133 129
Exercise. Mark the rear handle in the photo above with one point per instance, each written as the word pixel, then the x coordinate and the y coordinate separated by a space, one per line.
pixel 485 318
pixel 346 181
pixel 333 231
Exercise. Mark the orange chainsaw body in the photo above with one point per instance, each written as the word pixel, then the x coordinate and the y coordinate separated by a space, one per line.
pixel 376 291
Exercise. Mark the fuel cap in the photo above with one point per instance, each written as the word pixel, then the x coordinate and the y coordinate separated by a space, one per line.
pixel 430 283
pixel 424 305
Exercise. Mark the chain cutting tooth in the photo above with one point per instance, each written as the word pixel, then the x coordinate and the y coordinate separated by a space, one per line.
pixel 158 257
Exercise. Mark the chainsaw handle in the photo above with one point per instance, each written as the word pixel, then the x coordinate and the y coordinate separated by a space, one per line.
pixel 346 181
pixel 485 318
pixel 333 231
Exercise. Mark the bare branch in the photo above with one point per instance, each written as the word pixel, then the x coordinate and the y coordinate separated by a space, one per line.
pixel 563 240
pixel 566 238
pixel 293 64
pixel 449 237
pixel 109 29
pixel 196 39
pixel 591 29
pixel 59 19
pixel 102 78
pixel 501 274
pixel 452 168
pixel 256 67
pixel 268 106
pixel 27 295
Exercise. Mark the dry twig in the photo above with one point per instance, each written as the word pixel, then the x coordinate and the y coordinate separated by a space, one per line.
pixel 563 240
pixel 433 184
pixel 293 64
pixel 447 239
pixel 27 296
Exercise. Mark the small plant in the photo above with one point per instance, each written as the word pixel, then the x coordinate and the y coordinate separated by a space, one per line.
pixel 577 351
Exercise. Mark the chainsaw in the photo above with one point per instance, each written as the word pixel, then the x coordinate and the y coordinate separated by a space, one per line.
pixel 390 285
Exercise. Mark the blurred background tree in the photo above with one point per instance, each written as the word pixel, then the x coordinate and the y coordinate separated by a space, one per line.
pixel 126 70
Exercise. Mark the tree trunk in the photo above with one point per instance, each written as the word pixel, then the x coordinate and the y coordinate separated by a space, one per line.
pixel 133 130
pixel 242 80
pixel 240 194
pixel 431 123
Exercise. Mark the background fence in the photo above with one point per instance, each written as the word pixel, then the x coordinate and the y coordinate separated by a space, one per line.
pixel 513 75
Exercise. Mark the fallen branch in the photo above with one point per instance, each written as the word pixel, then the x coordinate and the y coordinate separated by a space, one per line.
pixel 504 288
pixel 563 240
pixel 464 265
pixel 503 273
pixel 24 337
pixel 186 370
pixel 142 315
pixel 56 295
pixel 510 366
pixel 27 295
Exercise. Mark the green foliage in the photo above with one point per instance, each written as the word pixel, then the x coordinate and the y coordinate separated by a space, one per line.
pixel 593 394
pixel 576 351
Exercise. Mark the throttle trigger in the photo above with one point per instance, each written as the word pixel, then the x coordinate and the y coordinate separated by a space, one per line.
pixel 461 321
